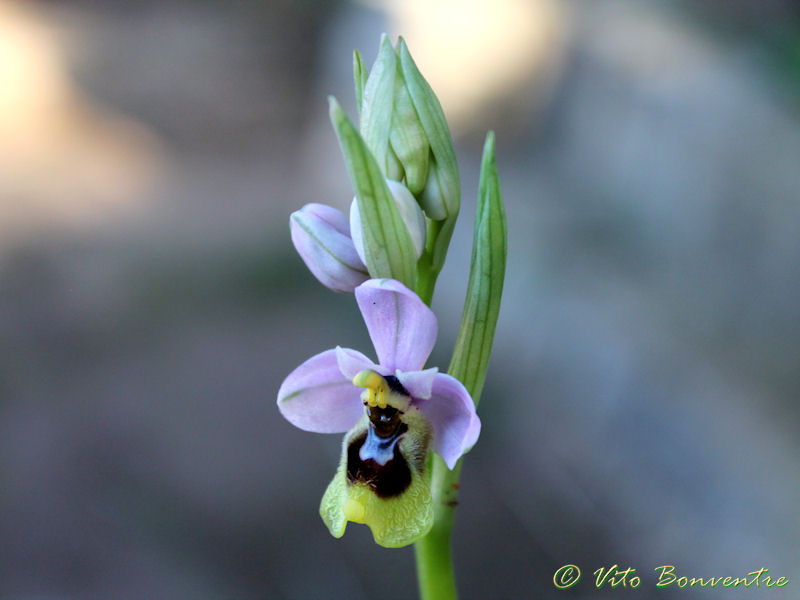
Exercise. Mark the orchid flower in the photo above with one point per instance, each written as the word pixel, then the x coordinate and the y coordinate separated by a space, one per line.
pixel 393 411
pixel 332 247
pixel 406 427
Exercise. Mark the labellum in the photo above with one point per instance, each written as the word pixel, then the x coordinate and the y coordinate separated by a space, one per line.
pixel 381 480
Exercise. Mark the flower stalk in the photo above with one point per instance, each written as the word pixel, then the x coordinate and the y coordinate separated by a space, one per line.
pixel 469 364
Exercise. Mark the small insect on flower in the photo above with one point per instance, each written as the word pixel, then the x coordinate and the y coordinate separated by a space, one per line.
pixel 394 412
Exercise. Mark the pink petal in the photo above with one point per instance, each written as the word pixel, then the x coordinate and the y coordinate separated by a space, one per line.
pixel 402 329
pixel 355 229
pixel 322 237
pixel 419 384
pixel 411 214
pixel 317 397
pixel 451 412
pixel 352 362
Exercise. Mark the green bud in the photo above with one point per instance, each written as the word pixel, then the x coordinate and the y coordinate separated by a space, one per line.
pixel 388 247
pixel 431 199
pixel 446 197
pixel 485 288
pixel 394 168
pixel 407 137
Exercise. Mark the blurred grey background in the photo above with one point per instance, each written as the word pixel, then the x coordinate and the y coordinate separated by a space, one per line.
pixel 641 406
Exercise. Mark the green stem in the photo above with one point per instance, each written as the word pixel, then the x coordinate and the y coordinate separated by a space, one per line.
pixel 433 552
pixel 427 270
pixel 469 364
pixel 426 281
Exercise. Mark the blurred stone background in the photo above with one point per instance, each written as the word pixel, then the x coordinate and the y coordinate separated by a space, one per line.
pixel 641 407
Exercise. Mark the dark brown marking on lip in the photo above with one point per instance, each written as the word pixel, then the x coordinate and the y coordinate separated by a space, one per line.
pixel 387 481
pixel 386 421
pixel 395 385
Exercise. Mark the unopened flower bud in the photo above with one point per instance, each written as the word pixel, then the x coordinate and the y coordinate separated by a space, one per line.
pixel 409 211
pixel 321 235
pixel 408 140
pixel 441 195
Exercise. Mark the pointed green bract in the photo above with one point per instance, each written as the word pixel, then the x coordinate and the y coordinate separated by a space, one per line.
pixel 446 201
pixel 377 103
pixel 388 248
pixel 485 288
pixel 359 78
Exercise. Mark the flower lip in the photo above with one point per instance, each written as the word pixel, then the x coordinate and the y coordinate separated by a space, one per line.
pixel 380 466
pixel 382 437
pixel 385 421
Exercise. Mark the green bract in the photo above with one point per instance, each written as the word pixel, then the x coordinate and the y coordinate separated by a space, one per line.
pixel 487 271
pixel 469 363
pixel 377 103
pixel 388 248
pixel 360 78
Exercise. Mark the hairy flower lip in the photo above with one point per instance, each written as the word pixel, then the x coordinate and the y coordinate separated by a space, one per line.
pixel 380 448
pixel 393 499
pixel 319 395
